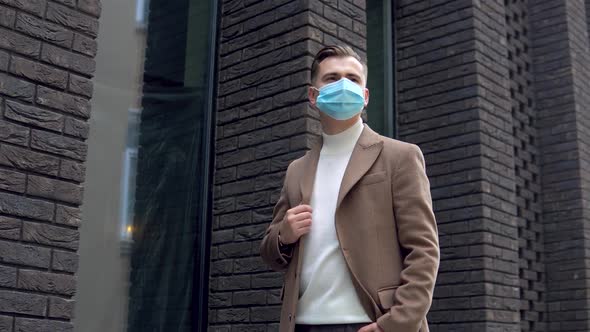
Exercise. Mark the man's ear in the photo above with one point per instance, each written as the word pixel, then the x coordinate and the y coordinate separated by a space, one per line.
pixel 366 97
pixel 312 95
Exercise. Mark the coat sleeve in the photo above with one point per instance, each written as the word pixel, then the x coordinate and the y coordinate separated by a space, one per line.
pixel 270 252
pixel 418 238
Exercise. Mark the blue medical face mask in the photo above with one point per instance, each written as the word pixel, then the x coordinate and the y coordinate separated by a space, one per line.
pixel 341 100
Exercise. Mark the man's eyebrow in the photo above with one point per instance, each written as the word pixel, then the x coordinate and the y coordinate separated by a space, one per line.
pixel 335 73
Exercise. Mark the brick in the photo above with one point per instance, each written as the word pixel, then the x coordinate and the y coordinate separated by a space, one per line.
pixel 37 325
pixel 232 315
pixel 265 314
pixel 72 170
pixel 21 254
pixel 252 200
pixel 47 282
pixel 39 28
pixel 85 45
pixel 16 88
pixel 91 7
pixel 6 323
pixel 7 277
pixel 336 16
pixel 262 215
pixel 7 16
pixel 250 265
pixel 10 228
pixel 51 235
pixel 225 175
pixel 352 38
pixel 14 133
pixel 222 236
pixel 221 267
pixel 218 300
pixel 68 215
pixel 226 145
pixel 19 43
pixel 254 137
pixel 61 308
pixel 65 261
pixel 266 280
pixel 36 7
pixel 234 250
pixel 65 59
pixel 54 189
pixel 25 207
pixel 76 128
pixel 4 57
pixel 237 218
pixel 224 205
pixel 71 3
pixel 323 24
pixel 254 168
pixel 81 85
pixel 72 18
pixel 22 303
pixel 38 72
pixel 12 181
pixel 272 148
pixel 254 297
pixel 71 104
pixel 235 282
pixel 27 160
pixel 33 115
pixel 60 145
pixel 249 233
pixel 352 11
pixel 236 157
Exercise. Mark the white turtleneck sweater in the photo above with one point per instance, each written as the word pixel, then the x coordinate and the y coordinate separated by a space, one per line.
pixel 327 295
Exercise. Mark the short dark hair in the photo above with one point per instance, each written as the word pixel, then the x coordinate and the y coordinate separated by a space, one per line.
pixel 338 51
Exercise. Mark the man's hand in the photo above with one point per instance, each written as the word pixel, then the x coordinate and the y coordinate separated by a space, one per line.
pixel 297 223
pixel 373 327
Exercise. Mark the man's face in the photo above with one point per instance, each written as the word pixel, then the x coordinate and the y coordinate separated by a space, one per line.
pixel 333 69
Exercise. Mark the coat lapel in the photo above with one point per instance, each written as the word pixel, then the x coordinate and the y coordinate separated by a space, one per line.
pixel 365 152
pixel 308 170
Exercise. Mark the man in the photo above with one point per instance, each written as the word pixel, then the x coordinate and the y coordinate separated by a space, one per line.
pixel 353 227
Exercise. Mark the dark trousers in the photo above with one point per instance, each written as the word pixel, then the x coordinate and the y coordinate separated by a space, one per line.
pixel 330 327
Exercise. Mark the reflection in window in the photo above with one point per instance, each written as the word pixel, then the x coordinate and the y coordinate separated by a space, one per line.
pixel 144 247
pixel 129 174
pixel 141 12
pixel 380 58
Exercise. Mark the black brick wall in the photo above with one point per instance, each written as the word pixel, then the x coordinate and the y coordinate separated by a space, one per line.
pixel 264 122
pixel 454 103
pixel 47 51
pixel 526 168
pixel 561 63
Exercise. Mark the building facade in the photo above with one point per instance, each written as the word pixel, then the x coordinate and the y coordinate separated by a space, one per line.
pixel 144 143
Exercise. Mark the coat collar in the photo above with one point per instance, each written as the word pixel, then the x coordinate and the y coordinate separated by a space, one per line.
pixel 365 152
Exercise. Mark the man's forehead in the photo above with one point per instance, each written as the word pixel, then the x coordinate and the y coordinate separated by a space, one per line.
pixel 337 64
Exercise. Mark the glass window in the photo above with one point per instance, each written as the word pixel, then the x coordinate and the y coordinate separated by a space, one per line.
pixel 380 59
pixel 144 247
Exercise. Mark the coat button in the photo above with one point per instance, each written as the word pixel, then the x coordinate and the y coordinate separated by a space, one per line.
pixel 289 317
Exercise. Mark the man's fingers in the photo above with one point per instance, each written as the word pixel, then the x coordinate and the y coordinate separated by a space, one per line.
pixel 366 328
pixel 303 231
pixel 302 223
pixel 301 208
pixel 300 216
